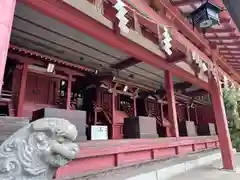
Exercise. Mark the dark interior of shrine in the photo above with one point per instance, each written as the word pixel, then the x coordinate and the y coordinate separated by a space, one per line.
pixel 107 84
pixel 95 94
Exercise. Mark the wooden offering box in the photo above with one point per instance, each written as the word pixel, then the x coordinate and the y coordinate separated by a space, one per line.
pixel 187 128
pixel 140 127
pixel 206 129
pixel 76 117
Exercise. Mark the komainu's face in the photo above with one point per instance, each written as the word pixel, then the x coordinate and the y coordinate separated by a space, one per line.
pixel 56 147
pixel 35 151
pixel 58 151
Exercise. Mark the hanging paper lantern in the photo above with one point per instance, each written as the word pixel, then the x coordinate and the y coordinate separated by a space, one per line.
pixel 121 12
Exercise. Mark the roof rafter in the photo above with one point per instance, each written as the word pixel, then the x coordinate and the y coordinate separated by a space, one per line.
pixel 126 63
pixel 227 43
pixel 185 2
pixel 229 49
pixel 230 53
pixel 195 93
pixel 224 30
pixel 216 38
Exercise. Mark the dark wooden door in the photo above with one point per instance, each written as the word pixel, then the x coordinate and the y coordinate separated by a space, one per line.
pixel 40 89
pixel 30 88
pixel 41 92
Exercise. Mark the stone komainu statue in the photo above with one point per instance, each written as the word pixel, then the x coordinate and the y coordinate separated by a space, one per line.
pixel 37 150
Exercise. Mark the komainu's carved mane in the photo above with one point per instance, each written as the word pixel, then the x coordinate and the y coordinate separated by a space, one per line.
pixel 37 150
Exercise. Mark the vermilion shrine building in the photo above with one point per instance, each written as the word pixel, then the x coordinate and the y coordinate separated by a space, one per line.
pixel 72 55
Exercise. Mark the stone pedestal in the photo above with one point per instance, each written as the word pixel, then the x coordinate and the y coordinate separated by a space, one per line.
pixel 76 117
pixel 140 127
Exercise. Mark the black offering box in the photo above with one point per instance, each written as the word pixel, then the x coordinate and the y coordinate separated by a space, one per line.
pixel 206 129
pixel 76 117
pixel 187 128
pixel 140 127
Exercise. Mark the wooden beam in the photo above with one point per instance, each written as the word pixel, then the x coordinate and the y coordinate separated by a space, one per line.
pixel 31 60
pixel 22 90
pixel 126 63
pixel 49 74
pixel 232 61
pixel 229 49
pixel 234 43
pixel 187 99
pixel 225 20
pixel 27 60
pixel 178 57
pixel 231 37
pixel 45 57
pixel 235 56
pixel 182 86
pixel 199 92
pixel 69 71
pixel 228 56
pixel 185 2
pixel 230 53
pixel 236 66
pixel 224 30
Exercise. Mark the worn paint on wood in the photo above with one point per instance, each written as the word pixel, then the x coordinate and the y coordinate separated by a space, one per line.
pixel 102 155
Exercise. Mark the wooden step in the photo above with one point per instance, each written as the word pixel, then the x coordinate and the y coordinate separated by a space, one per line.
pixel 11 109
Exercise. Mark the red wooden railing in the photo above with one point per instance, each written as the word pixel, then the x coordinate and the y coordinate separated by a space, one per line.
pixel 101 155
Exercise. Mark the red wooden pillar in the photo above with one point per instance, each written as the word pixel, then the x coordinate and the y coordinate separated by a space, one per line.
pixel 22 90
pixel 7 8
pixel 196 115
pixel 222 124
pixel 172 113
pixel 188 113
pixel 113 114
pixel 69 91
pixel 135 105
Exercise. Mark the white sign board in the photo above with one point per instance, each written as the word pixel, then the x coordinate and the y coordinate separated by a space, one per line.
pixel 99 132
